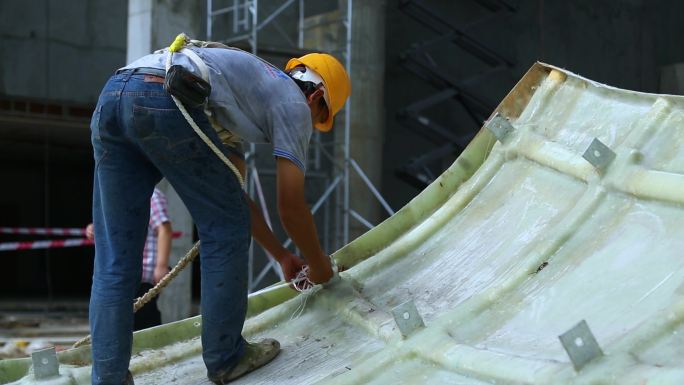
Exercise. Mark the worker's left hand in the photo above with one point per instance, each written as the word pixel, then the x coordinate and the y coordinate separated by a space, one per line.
pixel 159 273
pixel 290 265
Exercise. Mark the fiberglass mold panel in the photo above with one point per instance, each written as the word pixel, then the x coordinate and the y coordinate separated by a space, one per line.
pixel 476 247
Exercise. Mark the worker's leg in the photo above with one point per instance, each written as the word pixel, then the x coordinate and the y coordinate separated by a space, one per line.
pixel 215 200
pixel 123 183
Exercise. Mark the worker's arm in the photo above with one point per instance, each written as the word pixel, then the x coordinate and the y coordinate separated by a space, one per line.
pixel 290 264
pixel 298 221
pixel 164 234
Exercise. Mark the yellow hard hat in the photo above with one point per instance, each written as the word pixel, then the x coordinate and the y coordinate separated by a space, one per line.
pixel 335 80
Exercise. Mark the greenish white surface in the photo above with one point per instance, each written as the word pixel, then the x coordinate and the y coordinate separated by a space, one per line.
pixel 512 246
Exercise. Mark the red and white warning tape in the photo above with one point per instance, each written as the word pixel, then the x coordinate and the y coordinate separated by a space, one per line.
pixel 46 244
pixel 42 231
pixel 50 243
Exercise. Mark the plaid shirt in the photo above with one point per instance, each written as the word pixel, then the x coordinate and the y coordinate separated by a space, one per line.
pixel 158 215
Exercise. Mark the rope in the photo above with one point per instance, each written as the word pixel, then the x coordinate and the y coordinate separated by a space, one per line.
pixel 180 41
pixel 208 141
pixel 153 292
pixel 301 283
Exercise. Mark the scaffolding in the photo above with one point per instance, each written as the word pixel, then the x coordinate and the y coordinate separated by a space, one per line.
pixel 241 21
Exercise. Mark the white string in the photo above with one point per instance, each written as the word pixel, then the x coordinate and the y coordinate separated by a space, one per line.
pixel 307 288
pixel 302 305
pixel 301 282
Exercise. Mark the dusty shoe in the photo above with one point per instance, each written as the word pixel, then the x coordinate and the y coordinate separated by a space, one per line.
pixel 256 355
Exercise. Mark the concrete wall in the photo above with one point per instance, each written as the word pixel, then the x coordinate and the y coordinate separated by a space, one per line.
pixel 62 50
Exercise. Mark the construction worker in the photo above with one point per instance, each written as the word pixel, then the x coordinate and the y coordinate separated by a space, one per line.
pixel 139 136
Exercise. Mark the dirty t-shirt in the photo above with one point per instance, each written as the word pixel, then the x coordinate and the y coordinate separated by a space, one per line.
pixel 250 98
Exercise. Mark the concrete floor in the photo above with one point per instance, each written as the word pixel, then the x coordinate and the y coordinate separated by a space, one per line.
pixel 26 326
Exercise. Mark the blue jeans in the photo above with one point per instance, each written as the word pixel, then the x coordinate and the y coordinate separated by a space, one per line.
pixel 138 136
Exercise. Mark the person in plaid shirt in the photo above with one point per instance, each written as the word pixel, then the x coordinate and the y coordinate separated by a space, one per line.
pixel 155 258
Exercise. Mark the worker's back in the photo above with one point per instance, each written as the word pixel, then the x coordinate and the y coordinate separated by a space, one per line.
pixel 251 98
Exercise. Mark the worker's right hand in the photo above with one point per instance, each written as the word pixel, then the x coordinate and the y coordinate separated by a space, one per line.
pixel 321 271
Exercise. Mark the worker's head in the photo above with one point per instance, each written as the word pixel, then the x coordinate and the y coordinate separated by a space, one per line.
pixel 325 84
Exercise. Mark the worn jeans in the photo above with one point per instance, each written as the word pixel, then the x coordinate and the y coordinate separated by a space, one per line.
pixel 138 136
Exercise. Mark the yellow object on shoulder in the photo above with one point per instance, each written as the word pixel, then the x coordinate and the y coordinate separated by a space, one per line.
pixel 179 42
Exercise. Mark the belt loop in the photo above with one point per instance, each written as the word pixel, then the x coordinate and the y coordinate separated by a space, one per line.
pixel 128 75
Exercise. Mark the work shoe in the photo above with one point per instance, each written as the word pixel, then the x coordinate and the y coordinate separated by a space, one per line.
pixel 256 355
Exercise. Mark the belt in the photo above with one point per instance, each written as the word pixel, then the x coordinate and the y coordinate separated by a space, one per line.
pixel 143 71
pixel 152 75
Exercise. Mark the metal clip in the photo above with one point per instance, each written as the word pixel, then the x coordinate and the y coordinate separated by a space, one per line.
pixel 407 318
pixel 580 345
pixel 45 364
pixel 599 155
pixel 499 126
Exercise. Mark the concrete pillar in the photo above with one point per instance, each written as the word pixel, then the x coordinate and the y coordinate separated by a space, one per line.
pixel 367 99
pixel 153 24
pixel 367 107
pixel 175 301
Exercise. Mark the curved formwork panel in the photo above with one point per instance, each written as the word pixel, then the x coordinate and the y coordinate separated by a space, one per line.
pixel 572 212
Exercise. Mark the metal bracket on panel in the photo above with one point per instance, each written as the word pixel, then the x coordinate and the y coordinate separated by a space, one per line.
pixel 45 364
pixel 407 318
pixel 580 345
pixel 499 126
pixel 599 155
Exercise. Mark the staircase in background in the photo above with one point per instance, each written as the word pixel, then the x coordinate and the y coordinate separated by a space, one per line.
pixel 451 137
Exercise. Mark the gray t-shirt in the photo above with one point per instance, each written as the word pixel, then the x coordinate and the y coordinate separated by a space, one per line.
pixel 250 98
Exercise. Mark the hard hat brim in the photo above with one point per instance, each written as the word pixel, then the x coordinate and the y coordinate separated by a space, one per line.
pixel 327 125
